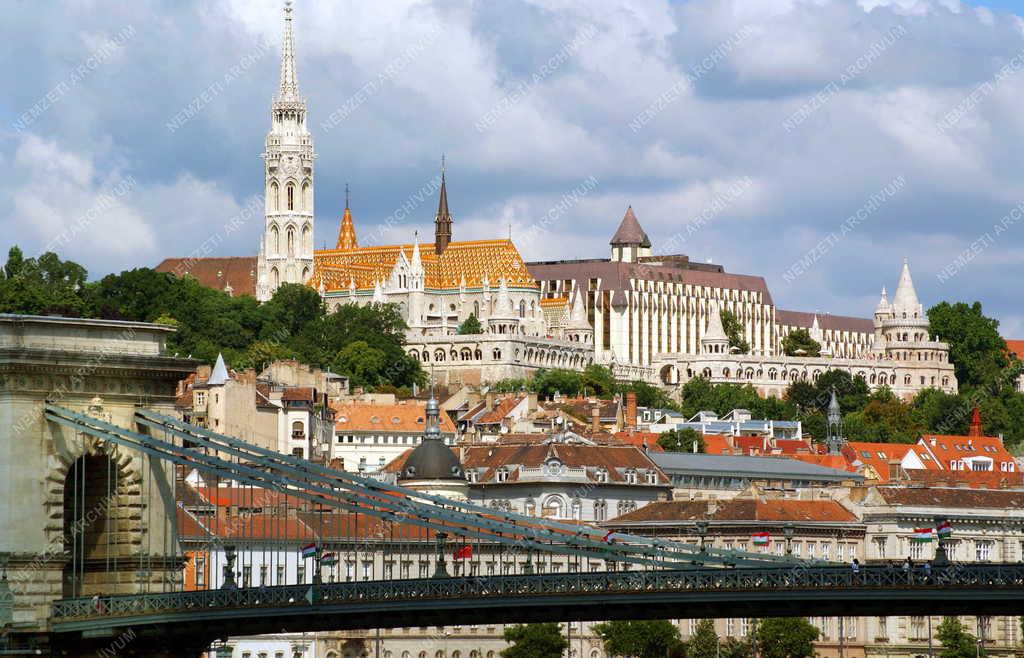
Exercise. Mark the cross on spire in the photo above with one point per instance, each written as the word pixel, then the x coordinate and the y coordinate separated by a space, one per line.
pixel 289 87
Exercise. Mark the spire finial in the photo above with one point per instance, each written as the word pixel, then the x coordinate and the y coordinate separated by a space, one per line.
pixel 442 164
pixel 346 195
pixel 289 88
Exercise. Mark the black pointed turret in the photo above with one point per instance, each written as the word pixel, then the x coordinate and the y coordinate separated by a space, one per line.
pixel 443 220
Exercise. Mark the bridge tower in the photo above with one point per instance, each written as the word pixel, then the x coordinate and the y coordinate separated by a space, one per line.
pixel 80 516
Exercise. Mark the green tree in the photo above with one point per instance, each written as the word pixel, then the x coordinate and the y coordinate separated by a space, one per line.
pixel 704 642
pixel 650 396
pixel 941 413
pixel 362 364
pixel 287 313
pixel 682 440
pixel 885 419
pixel 956 641
pixel 799 343
pixel 470 326
pixel 734 330
pixel 534 641
pixel 976 349
pixel 44 285
pixel 548 382
pixel 786 637
pixel 733 648
pixel 643 639
pixel 598 380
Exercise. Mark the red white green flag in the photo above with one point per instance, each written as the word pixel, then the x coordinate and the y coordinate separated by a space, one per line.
pixel 761 538
pixel 944 529
pixel 923 534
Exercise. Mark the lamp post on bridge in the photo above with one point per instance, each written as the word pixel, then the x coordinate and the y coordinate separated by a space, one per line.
pixel 230 553
pixel 788 531
pixel 702 531
pixel 441 567
pixel 941 556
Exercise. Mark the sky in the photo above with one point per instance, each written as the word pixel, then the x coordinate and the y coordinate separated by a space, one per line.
pixel 816 143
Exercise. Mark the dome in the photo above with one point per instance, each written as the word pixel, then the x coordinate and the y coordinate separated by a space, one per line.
pixel 432 459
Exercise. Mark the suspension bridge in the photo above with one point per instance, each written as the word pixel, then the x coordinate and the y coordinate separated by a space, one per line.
pixel 106 546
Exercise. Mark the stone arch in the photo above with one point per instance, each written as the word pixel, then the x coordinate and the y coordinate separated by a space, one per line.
pixel 88 483
pixel 275 240
pixel 307 192
pixel 669 375
pixel 274 197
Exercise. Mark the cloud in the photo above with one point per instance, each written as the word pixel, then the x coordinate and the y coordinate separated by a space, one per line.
pixel 816 104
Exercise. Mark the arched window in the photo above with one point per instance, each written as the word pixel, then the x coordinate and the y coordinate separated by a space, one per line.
pixel 522 309
pixel 275 197
pixel 275 277
pixel 291 196
pixel 275 240
pixel 306 189
pixel 307 238
pixel 600 510
pixel 291 241
pixel 298 430
pixel 305 274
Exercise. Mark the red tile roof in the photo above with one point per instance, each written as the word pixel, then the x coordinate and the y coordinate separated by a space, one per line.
pixel 502 407
pixel 877 456
pixel 949 449
pixel 408 417
pixel 238 271
pixel 769 510
pixel 641 440
pixel 1016 348
pixel 958 498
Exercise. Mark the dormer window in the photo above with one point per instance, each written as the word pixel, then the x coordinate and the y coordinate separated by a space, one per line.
pixel 601 475
pixel 651 477
pixel 501 475
pixel 630 476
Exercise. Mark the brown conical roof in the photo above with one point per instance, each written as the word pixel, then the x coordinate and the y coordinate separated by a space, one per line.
pixel 630 232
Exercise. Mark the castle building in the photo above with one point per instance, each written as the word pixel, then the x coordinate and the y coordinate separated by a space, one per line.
pixel 660 318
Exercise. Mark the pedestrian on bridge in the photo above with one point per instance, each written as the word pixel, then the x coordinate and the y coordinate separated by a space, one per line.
pixel 908 569
pixel 927 568
pixel 855 566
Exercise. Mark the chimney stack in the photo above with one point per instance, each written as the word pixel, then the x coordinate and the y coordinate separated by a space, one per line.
pixel 631 412
pixel 595 418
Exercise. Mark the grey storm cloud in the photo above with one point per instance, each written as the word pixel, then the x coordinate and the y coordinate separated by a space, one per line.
pixel 760 134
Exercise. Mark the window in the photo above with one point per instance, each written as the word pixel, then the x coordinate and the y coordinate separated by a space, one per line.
pixel 916 550
pixel 602 475
pixel 879 545
pixel 280 575
pixel 882 632
pixel 600 510
pixel 200 398
pixel 246 576
pixel 983 550
pixel 200 571
pixel 300 574
pixel 630 476
pixel 501 475
pixel 917 628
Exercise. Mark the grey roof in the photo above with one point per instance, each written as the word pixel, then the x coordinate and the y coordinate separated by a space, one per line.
pixel 432 460
pixel 825 321
pixel 750 467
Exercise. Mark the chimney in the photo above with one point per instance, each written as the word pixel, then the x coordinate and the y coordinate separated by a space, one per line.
pixel 489 400
pixel 531 402
pixel 595 418
pixel 894 469
pixel 631 412
pixel 975 429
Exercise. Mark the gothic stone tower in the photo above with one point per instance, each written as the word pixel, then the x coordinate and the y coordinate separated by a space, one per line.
pixel 286 250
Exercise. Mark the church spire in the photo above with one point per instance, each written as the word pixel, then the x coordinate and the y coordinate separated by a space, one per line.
pixel 289 88
pixel 347 230
pixel 905 300
pixel 443 219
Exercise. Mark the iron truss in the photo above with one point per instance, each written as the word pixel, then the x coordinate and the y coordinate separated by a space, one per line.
pixel 231 459
pixel 877 581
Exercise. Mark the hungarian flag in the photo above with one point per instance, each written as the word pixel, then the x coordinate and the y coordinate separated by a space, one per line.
pixel 761 538
pixel 608 537
pixel 463 553
pixel 945 530
pixel 922 534
pixel 329 559
pixel 308 551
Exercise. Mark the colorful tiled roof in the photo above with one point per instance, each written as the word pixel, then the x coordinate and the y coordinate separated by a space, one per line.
pixel 471 262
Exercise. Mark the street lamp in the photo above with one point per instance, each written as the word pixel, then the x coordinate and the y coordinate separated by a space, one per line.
pixel 702 530
pixel 441 568
pixel 941 556
pixel 788 530
pixel 230 553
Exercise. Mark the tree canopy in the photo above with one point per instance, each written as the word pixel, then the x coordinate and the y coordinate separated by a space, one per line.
pixel 704 641
pixel 799 343
pixel 363 343
pixel 643 639
pixel 470 325
pixel 534 641
pixel 682 440
pixel 734 330
pixel 786 637
pixel 956 641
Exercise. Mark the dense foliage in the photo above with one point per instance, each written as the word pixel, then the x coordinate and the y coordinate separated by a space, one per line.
pixel 643 639
pixel 682 440
pixel 734 330
pixel 786 637
pixel 704 641
pixel 470 325
pixel 799 343
pixel 363 343
pixel 534 641
pixel 956 641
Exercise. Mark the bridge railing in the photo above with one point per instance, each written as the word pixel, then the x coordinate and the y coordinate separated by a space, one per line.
pixel 986 576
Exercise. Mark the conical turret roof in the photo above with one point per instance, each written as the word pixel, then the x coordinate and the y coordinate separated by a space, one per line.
pixel 905 300
pixel 630 232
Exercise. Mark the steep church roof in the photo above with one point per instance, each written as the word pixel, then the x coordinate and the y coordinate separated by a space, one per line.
pixel 630 232
pixel 347 230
